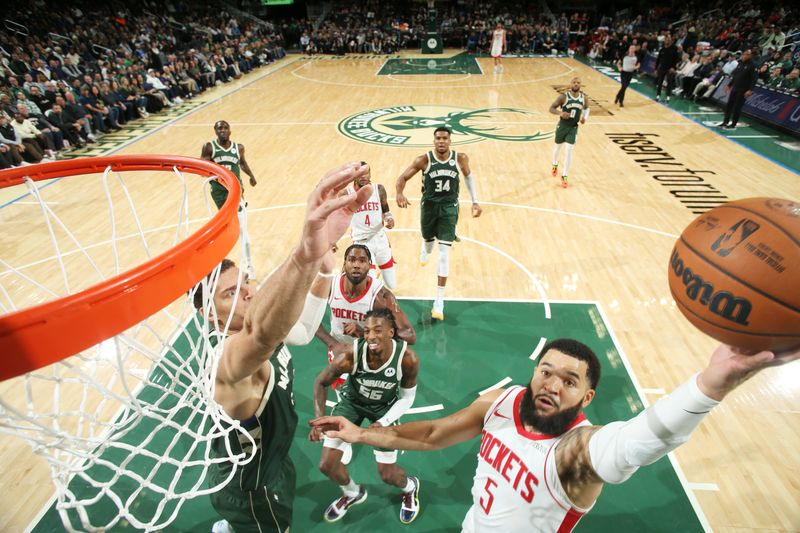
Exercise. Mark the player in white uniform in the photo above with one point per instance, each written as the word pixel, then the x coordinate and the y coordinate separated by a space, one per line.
pixel 541 467
pixel 498 46
pixel 367 227
pixel 353 293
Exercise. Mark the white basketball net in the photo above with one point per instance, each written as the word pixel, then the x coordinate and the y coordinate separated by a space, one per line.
pixel 126 426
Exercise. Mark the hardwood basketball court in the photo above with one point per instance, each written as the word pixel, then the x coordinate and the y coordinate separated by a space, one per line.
pixel 605 239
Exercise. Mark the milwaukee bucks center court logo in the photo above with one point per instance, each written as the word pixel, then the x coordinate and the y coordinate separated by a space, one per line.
pixel 413 125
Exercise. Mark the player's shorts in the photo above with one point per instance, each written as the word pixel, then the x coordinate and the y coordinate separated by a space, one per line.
pixel 357 413
pixel 266 509
pixel 219 193
pixel 438 221
pixel 566 134
pixel 379 248
pixel 497 51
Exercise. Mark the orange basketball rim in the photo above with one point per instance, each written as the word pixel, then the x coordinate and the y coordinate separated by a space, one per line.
pixel 46 333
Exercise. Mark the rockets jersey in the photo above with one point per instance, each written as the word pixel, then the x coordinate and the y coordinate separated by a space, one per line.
pixel 344 310
pixel 516 485
pixel 368 220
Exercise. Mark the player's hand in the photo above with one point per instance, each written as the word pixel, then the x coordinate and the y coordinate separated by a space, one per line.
pixel 583 121
pixel 729 367
pixel 315 435
pixel 476 210
pixel 253 181
pixel 328 215
pixel 402 201
pixel 565 115
pixel 353 329
pixel 337 427
pixel 388 222
pixel 375 425
pixel 748 94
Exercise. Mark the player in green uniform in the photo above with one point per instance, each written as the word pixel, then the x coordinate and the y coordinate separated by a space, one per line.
pixel 230 155
pixel 574 110
pixel 255 372
pixel 439 206
pixel 381 386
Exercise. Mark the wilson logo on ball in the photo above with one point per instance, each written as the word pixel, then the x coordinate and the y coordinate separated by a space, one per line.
pixel 734 236
pixel 722 303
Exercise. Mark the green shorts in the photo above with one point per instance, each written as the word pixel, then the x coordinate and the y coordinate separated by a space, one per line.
pixel 357 413
pixel 268 509
pixel 566 134
pixel 219 193
pixel 438 221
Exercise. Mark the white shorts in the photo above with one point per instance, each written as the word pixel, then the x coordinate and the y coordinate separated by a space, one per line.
pixel 497 50
pixel 380 249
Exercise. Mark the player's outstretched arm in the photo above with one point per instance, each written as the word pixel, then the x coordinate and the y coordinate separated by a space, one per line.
pixel 424 435
pixel 277 305
pixel 420 162
pixel 589 456
pixel 310 322
pixel 387 300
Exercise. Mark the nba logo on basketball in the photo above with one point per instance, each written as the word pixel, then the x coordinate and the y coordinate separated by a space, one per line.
pixel 734 236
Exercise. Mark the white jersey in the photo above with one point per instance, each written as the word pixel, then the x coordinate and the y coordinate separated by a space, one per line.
pixel 516 485
pixel 368 220
pixel 497 42
pixel 344 310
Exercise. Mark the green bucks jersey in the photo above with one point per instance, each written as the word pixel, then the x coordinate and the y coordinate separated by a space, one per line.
pixel 271 427
pixel 226 158
pixel 381 386
pixel 574 106
pixel 440 179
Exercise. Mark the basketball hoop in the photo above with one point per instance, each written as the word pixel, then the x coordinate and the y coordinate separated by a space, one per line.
pixel 47 333
pixel 86 372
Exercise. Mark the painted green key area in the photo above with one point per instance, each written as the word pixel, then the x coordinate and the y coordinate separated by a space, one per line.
pixel 479 344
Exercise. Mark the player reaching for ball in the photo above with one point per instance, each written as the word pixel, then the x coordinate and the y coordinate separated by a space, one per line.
pixel 541 464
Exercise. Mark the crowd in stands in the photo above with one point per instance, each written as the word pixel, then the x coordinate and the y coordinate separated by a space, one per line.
pixel 709 44
pixel 71 73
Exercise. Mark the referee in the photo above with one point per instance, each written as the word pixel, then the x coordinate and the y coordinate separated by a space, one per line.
pixel 626 66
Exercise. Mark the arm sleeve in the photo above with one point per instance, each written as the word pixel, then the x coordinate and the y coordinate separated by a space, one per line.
pixel 311 317
pixel 405 399
pixel 586 113
pixel 471 188
pixel 618 449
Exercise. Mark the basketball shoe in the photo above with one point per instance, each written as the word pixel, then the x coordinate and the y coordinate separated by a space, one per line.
pixel 339 508
pixel 409 507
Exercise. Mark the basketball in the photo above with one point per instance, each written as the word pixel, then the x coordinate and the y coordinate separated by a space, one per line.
pixel 735 273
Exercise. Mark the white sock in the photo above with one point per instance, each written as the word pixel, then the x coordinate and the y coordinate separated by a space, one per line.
pixel 389 278
pixel 567 159
pixel 556 154
pixel 410 485
pixel 351 489
pixel 438 304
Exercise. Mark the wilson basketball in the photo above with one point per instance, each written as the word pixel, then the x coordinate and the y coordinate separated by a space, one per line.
pixel 735 273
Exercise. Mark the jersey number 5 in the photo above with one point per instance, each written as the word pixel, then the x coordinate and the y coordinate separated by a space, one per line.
pixel 442 185
pixel 487 500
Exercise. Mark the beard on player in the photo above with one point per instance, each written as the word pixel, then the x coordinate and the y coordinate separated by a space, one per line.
pixel 553 424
